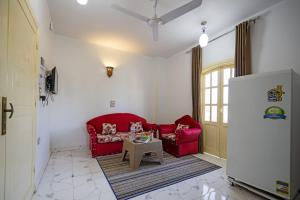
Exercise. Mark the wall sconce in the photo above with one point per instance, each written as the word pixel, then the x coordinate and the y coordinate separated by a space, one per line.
pixel 109 71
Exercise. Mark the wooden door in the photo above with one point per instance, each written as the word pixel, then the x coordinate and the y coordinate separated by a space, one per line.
pixel 20 84
pixel 211 102
pixel 3 89
pixel 215 108
pixel 226 74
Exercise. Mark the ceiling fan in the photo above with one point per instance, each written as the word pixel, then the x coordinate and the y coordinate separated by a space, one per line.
pixel 155 21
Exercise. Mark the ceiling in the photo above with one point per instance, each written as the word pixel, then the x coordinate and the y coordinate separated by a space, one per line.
pixel 98 23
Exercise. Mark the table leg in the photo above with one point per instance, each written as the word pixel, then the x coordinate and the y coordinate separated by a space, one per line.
pixel 136 161
pixel 160 156
pixel 124 155
pixel 131 159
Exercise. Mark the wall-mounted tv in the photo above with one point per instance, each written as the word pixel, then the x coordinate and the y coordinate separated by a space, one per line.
pixel 52 81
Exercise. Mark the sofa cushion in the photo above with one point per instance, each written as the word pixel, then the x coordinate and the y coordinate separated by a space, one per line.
pixel 108 138
pixel 182 127
pixel 136 127
pixel 118 137
pixel 169 136
pixel 109 129
pixel 123 135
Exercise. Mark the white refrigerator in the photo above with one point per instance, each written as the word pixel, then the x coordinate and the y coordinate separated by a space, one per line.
pixel 264 132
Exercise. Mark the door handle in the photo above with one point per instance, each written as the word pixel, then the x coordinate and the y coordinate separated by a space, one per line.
pixel 11 110
pixel 4 112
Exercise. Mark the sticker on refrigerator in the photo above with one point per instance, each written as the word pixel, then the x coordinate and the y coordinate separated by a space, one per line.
pixel 276 94
pixel 274 112
pixel 282 188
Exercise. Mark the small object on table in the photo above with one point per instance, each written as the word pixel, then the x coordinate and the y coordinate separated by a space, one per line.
pixel 142 139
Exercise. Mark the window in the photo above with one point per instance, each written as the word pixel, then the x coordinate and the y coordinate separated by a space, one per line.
pixel 227 74
pixel 216 94
pixel 211 96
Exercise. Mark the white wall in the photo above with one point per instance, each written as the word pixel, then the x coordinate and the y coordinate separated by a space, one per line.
pixel 85 90
pixel 275 39
pixel 219 50
pixel 175 99
pixel 46 39
pixel 175 91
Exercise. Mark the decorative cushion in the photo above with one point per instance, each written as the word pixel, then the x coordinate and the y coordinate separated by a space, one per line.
pixel 136 127
pixel 123 135
pixel 119 136
pixel 182 127
pixel 169 136
pixel 108 138
pixel 109 129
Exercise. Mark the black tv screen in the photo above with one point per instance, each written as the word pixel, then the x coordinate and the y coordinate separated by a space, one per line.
pixel 52 81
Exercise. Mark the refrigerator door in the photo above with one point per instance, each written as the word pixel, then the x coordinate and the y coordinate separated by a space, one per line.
pixel 259 135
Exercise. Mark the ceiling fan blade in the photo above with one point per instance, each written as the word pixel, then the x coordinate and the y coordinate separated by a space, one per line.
pixel 155 31
pixel 180 11
pixel 131 13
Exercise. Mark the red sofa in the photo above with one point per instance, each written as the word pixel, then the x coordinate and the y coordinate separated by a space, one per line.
pixel 182 142
pixel 122 120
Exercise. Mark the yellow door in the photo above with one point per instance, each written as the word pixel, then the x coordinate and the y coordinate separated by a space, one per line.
pixel 215 108
pixel 18 85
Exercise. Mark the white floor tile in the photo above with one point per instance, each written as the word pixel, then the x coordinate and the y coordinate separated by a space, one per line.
pixel 74 175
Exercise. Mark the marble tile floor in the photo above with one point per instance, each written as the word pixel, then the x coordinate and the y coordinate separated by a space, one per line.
pixel 74 175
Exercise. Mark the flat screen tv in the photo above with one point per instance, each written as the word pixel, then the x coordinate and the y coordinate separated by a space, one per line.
pixel 52 81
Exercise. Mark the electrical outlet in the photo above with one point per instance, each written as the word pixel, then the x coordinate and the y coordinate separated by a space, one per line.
pixel 112 103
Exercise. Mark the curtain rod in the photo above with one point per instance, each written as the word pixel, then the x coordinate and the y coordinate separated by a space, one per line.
pixel 226 33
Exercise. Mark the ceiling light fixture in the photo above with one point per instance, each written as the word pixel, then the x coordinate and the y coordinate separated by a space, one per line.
pixel 203 40
pixel 82 2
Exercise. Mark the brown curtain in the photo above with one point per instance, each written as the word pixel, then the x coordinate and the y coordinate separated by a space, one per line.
pixel 243 49
pixel 196 85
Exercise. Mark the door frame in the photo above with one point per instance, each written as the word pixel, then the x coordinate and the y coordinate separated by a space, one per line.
pixel 218 66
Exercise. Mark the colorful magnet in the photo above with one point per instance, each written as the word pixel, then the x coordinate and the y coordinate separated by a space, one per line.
pixel 276 94
pixel 274 112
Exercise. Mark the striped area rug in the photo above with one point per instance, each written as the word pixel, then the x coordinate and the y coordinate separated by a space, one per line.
pixel 151 175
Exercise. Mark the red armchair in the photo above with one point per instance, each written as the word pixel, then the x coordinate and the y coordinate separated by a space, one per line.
pixel 122 120
pixel 182 142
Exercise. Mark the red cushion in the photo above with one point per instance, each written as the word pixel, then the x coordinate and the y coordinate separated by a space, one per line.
pixel 122 120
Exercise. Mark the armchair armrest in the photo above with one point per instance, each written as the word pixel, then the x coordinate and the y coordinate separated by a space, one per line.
pixel 187 135
pixel 93 134
pixel 166 128
pixel 149 127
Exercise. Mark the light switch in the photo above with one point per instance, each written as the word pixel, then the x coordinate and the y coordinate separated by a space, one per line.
pixel 112 103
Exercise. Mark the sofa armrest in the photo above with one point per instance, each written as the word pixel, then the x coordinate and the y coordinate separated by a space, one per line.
pixel 166 128
pixel 93 134
pixel 149 127
pixel 188 135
